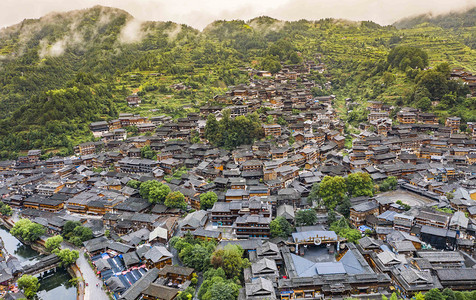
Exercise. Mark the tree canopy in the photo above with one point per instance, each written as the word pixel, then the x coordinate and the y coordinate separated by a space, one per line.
pixel 388 184
pixel 193 253
pixel 67 256
pixel 154 191
pixel 216 286
pixel 29 285
pixel 230 133
pixel 305 217
pixel 175 199
pixel 207 200
pixel 403 57
pixel 230 259
pixel 135 184
pixel 280 227
pixel 5 209
pixel 147 152
pixel 342 228
pixel 53 242
pixel 359 184
pixel 76 233
pixel 332 191
pixel 27 230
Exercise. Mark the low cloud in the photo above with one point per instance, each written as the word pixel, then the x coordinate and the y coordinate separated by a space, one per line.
pixel 198 14
pixel 131 32
pixel 384 12
pixel 56 49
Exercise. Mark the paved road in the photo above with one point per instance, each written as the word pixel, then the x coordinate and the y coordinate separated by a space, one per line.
pixel 92 292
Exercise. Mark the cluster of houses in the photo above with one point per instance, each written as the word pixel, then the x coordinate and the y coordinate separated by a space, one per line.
pixel 467 77
pixel 429 245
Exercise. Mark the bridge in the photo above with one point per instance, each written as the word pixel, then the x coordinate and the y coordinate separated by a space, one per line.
pixel 45 264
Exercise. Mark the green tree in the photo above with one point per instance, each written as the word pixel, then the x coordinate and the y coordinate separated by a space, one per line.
pixel 449 294
pixel 344 207
pixel 212 277
pixel 230 133
pixel 269 120
pixel 76 240
pixel 291 140
pixel 27 230
pixel 84 233
pixel 331 217
pixel 53 242
pixel 388 78
pixel 342 228
pixel 404 205
pixel 352 235
pixel 281 121
pixel 332 191
pixel 179 172
pixel 434 294
pixel 230 259
pixel 294 58
pixel 68 228
pixel 67 256
pixel 424 104
pixel 29 285
pixel 359 184
pixel 434 81
pixel 207 200
pixel 314 194
pixel 393 296
pixel 419 296
pixel 194 253
pixel 135 184
pixel 187 294
pixel 196 256
pixel 148 153
pixel 388 184
pixel 212 129
pixel 305 217
pixel 175 199
pixel 76 233
pixel 154 191
pixel 404 57
pixel 133 130
pixel 194 137
pixel 221 290
pixel 5 210
pixel 271 64
pixel 280 227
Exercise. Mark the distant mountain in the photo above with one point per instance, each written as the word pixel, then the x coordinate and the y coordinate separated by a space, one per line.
pixel 453 20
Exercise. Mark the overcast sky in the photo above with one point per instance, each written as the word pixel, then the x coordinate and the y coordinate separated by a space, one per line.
pixel 199 13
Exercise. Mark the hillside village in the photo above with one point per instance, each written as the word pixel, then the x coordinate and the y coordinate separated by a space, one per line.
pixel 416 228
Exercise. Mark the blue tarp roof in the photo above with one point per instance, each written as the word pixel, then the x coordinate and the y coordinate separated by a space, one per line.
pixel 363 228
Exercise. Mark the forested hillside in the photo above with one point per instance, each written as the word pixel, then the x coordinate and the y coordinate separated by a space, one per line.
pixel 63 71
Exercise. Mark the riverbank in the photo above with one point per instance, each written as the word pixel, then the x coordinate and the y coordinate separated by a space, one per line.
pixel 76 273
pixel 39 247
